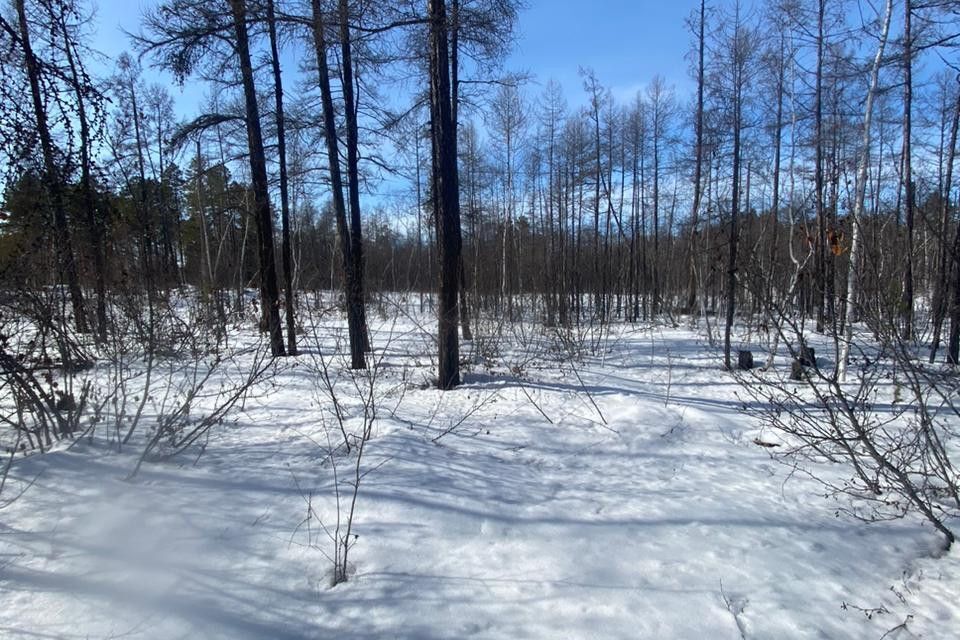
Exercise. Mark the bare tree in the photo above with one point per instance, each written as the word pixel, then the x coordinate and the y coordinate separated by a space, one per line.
pixel 187 35
pixel 447 195
pixel 853 277
pixel 21 37
pixel 739 49
pixel 698 160
pixel 907 168
pixel 258 171
pixel 286 250
pixel 349 241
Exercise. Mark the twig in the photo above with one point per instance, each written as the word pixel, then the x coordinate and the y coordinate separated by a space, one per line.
pixel 590 396
pixel 902 625
pixel 533 402
pixel 735 611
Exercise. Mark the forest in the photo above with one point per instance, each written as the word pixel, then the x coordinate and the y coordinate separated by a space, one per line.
pixel 381 336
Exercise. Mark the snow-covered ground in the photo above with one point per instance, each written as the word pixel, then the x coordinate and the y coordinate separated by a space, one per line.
pixel 619 496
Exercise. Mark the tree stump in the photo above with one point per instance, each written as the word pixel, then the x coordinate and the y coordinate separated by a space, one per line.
pixel 66 403
pixel 807 356
pixel 744 360
pixel 796 370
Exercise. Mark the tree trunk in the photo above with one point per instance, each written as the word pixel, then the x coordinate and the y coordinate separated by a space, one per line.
pixel 738 81
pixel 454 115
pixel 354 321
pixel 942 285
pixel 94 228
pixel 777 144
pixel 734 233
pixel 447 195
pixel 853 275
pixel 820 264
pixel 258 172
pixel 906 302
pixel 355 295
pixel 64 243
pixel 698 166
pixel 285 248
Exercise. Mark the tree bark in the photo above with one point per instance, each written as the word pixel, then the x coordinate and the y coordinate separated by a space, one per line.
pixel 734 230
pixel 356 297
pixel 454 114
pixel 820 277
pixel 698 166
pixel 258 172
pixel 94 228
pixel 62 234
pixel 853 275
pixel 942 286
pixel 285 248
pixel 906 302
pixel 354 321
pixel 447 201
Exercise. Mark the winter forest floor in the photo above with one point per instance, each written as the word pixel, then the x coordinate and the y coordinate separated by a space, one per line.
pixel 619 495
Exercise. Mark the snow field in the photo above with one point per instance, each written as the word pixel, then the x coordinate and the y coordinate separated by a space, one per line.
pixel 618 497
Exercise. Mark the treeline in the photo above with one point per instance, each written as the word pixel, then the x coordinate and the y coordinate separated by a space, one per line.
pixel 806 158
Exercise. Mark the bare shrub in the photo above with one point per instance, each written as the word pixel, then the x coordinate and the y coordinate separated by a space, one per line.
pixel 891 429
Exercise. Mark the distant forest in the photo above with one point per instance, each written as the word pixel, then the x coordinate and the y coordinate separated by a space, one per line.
pixel 810 173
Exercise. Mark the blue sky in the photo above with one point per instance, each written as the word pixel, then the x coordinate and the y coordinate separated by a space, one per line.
pixel 626 42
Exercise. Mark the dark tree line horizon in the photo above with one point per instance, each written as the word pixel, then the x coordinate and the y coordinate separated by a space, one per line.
pixel 755 194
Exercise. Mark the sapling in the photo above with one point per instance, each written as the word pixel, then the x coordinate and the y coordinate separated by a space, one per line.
pixel 349 435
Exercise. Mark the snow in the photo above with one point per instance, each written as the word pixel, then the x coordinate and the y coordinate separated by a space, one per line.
pixel 619 496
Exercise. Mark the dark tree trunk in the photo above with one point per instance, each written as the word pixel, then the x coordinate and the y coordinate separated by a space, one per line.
pixel 258 172
pixel 595 284
pixel 454 115
pixel 64 243
pixel 655 267
pixel 447 200
pixel 942 285
pixel 768 285
pixel 355 295
pixel 953 347
pixel 734 204
pixel 820 266
pixel 906 302
pixel 285 248
pixel 94 228
pixel 147 263
pixel 354 321
pixel 698 166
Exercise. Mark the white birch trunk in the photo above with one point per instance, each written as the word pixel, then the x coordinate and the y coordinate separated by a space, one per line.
pixel 853 275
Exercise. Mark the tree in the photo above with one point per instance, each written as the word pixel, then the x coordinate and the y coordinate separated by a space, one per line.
pixel 551 112
pixel 447 195
pixel 187 35
pixel 258 170
pixel 285 251
pixel 660 110
pixel 907 163
pixel 637 142
pixel 508 122
pixel 21 37
pixel 349 235
pixel 735 73
pixel 941 286
pixel 89 107
pixel 820 240
pixel 698 159
pixel 853 278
